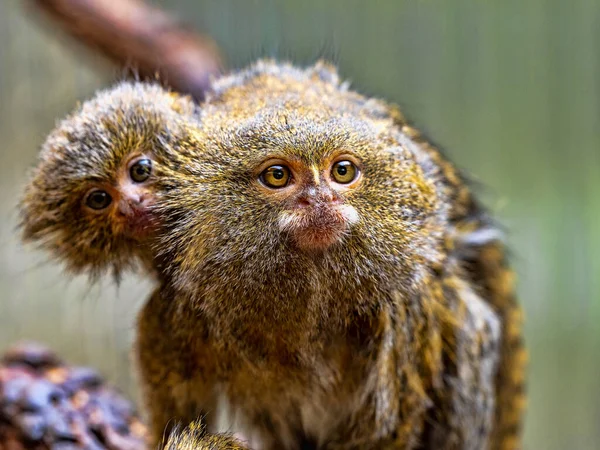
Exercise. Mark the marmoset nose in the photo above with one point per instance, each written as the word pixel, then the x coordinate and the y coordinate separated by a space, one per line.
pixel 130 204
pixel 314 196
pixel 125 208
pixel 136 199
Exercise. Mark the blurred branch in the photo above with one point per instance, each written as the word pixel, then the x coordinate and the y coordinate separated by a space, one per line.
pixel 136 35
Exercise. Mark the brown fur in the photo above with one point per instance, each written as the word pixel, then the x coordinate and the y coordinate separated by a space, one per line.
pixel 87 149
pixel 194 437
pixel 396 336
pixel 403 334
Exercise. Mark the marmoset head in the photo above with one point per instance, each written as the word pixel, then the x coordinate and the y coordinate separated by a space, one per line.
pixel 296 167
pixel 90 199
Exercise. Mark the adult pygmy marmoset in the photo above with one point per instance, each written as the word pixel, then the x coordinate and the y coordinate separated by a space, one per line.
pixel 330 281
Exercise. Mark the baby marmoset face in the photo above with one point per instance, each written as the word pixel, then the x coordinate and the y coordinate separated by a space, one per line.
pixel 294 168
pixel 90 200
pixel 124 199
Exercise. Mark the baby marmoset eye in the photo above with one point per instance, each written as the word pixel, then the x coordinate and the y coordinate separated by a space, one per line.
pixel 97 199
pixel 141 170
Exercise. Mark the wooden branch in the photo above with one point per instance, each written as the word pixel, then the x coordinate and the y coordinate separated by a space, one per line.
pixel 141 37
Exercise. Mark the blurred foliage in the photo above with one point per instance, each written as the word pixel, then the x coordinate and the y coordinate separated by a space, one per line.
pixel 511 90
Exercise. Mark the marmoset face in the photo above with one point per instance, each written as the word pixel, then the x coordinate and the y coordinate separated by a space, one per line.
pixel 91 198
pixel 291 167
pixel 316 213
pixel 123 200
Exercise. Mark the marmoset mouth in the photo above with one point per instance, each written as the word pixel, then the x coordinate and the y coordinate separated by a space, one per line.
pixel 140 225
pixel 320 226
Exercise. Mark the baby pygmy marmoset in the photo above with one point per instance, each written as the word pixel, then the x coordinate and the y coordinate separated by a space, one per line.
pixel 330 281
pixel 90 201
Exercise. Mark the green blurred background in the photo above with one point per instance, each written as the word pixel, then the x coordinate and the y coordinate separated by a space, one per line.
pixel 510 88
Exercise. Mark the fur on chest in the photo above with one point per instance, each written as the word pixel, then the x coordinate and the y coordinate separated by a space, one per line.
pixel 286 413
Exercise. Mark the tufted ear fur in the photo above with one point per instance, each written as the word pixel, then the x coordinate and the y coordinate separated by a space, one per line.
pixel 183 104
pixel 324 71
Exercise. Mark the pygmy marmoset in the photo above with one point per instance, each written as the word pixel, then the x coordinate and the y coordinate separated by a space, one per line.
pixel 329 279
pixel 90 201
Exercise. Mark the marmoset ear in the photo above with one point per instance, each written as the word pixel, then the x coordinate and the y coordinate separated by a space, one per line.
pixel 183 104
pixel 325 71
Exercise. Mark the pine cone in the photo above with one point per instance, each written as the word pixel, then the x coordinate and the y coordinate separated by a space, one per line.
pixel 45 404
